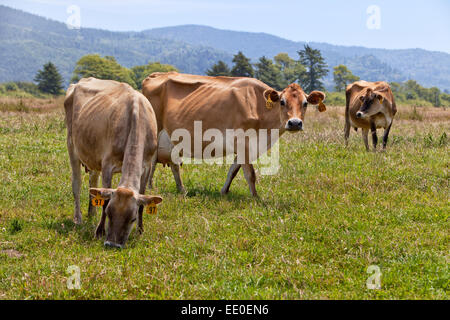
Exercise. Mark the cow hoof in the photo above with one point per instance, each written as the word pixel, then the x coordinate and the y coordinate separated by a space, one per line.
pixel 99 232
pixel 224 192
pixel 77 220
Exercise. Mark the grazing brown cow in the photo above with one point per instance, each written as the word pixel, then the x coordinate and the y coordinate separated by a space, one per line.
pixel 369 105
pixel 221 104
pixel 111 128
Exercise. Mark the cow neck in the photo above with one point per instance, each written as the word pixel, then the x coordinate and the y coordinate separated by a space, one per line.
pixel 133 156
pixel 270 119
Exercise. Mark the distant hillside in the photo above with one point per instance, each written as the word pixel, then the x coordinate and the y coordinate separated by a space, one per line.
pixel 428 68
pixel 28 41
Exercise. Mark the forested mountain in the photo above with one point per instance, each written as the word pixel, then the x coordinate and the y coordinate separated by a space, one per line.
pixel 427 67
pixel 28 41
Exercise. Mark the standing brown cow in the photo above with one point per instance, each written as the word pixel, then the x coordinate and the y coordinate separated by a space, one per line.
pixel 224 103
pixel 369 105
pixel 111 128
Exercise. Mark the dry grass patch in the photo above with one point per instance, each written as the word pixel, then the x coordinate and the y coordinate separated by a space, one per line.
pixel 30 105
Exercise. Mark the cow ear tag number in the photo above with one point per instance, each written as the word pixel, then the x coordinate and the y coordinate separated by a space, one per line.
pixel 98 201
pixel 322 106
pixel 269 103
pixel 152 209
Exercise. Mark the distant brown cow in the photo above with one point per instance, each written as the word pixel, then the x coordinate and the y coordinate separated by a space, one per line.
pixel 223 103
pixel 369 105
pixel 111 128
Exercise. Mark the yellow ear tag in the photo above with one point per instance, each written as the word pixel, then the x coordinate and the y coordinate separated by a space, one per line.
pixel 269 103
pixel 151 208
pixel 98 201
pixel 321 106
pixel 381 99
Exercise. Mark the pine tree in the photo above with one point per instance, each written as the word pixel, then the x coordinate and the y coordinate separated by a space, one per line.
pixel 316 69
pixel 342 77
pixel 49 80
pixel 269 73
pixel 219 69
pixel 242 66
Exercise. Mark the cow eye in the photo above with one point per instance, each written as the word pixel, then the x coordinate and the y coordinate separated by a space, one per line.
pixel 282 102
pixel 305 104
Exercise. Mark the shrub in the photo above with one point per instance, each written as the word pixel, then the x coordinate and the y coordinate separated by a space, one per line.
pixel 15 226
pixel 11 86
pixel 335 98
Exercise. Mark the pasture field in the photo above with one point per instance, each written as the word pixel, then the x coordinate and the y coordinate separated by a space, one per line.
pixel 329 214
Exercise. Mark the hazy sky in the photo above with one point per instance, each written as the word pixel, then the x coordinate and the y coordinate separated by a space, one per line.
pixel 402 23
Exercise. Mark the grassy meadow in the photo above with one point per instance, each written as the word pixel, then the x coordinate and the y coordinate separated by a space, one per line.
pixel 329 214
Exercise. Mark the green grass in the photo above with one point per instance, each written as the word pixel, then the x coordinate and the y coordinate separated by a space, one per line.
pixel 328 214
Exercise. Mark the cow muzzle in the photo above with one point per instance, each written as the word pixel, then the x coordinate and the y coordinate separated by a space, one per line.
pixel 294 125
pixel 361 115
pixel 110 244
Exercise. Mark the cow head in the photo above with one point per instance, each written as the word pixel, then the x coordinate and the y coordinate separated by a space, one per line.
pixel 122 212
pixel 371 104
pixel 293 103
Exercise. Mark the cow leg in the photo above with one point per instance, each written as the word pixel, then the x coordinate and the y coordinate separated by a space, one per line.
pixel 386 136
pixel 76 190
pixel 144 179
pixel 93 183
pixel 75 164
pixel 106 183
pixel 231 174
pixel 365 136
pixel 152 171
pixel 346 129
pixel 250 176
pixel 373 129
pixel 177 176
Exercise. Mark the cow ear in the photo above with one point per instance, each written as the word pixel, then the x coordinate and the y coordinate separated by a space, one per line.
pixel 380 97
pixel 272 94
pixel 316 98
pixel 144 200
pixel 105 193
pixel 271 97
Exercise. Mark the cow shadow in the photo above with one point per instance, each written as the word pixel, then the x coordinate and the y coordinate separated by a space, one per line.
pixel 214 194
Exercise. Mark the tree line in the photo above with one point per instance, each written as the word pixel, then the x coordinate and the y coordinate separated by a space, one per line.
pixel 108 68
pixel 308 70
pixel 48 80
